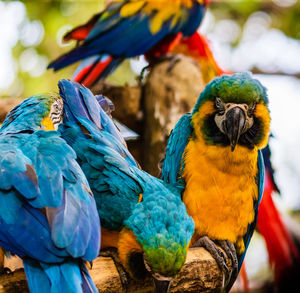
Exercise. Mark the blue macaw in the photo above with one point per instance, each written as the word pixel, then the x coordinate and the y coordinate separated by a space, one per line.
pixel 214 153
pixel 129 28
pixel 48 216
pixel 141 216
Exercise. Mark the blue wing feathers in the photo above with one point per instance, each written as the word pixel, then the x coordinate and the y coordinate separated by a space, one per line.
pixel 178 140
pixel 125 37
pixel 47 212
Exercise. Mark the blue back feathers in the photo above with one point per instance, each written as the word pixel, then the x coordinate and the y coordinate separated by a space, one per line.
pixel 159 221
pixel 47 211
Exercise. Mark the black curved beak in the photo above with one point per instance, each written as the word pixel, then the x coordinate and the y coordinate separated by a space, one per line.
pixel 161 286
pixel 234 124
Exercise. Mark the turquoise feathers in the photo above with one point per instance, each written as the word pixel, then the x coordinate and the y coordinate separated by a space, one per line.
pixel 48 216
pixel 159 222
pixel 238 87
pixel 224 134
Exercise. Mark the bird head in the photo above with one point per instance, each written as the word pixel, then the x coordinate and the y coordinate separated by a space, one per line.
pixel 43 111
pixel 54 116
pixel 233 110
pixel 156 238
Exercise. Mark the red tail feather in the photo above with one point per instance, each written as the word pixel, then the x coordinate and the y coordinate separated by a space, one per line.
pixel 90 74
pixel 80 33
pixel 281 248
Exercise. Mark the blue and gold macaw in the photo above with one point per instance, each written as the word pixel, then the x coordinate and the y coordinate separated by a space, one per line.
pixel 129 28
pixel 141 216
pixel 48 215
pixel 214 153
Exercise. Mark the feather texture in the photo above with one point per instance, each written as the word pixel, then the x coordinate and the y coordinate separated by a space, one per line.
pixel 47 212
pixel 127 29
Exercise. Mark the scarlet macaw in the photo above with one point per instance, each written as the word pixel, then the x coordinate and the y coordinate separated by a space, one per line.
pixel 129 28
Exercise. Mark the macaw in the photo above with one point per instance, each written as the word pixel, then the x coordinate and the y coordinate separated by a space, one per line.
pixel 129 28
pixel 282 250
pixel 215 153
pixel 141 216
pixel 48 215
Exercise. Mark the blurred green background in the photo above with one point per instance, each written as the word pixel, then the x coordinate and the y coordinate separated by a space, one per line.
pixel 31 32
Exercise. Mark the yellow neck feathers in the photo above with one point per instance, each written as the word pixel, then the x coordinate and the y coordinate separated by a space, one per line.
pixel 220 186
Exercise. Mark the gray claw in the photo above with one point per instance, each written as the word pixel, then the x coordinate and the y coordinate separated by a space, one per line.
pixel 216 253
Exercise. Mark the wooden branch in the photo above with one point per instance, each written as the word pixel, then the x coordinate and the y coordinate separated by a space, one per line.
pixel 255 70
pixel 171 90
pixel 6 105
pixel 199 274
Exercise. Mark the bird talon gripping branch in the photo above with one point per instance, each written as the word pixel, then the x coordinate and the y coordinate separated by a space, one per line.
pixel 216 252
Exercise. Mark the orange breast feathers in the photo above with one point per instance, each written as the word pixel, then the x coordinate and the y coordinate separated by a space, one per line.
pixel 220 189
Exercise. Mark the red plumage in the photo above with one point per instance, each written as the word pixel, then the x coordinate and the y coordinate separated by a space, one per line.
pixel 280 245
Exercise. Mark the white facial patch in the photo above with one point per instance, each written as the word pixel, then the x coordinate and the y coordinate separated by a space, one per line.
pixel 56 113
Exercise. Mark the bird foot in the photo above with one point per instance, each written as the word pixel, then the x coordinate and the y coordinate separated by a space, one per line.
pixel 173 59
pixel 216 252
pixel 230 251
pixel 113 253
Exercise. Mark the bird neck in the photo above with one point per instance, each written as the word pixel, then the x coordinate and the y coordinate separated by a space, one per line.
pixel 220 190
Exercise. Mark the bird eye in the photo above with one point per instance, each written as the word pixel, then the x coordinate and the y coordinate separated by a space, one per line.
pixel 220 106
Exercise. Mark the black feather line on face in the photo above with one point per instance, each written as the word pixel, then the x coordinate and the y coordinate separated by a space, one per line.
pixel 214 136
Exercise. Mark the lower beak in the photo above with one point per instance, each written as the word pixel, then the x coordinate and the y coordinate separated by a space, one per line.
pixel 161 286
pixel 234 125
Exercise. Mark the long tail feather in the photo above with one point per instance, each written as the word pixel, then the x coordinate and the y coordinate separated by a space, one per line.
pixel 281 248
pixel 93 69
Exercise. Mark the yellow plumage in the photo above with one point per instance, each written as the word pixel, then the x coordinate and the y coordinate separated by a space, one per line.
pixel 220 185
pixel 165 10
pixel 47 124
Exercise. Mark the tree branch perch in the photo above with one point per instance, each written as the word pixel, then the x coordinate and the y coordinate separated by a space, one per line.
pixel 199 274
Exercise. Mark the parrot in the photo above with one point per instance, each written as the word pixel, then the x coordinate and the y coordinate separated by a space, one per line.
pixel 48 215
pixel 141 216
pixel 282 250
pixel 129 28
pixel 215 153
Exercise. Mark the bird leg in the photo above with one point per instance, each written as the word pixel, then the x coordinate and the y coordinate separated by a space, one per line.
pixel 230 250
pixel 216 253
pixel 113 253
pixel 173 59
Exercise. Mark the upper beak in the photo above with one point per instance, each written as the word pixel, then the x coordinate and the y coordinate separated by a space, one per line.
pixel 161 286
pixel 234 124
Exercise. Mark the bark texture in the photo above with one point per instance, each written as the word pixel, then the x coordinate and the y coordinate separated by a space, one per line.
pixel 199 274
